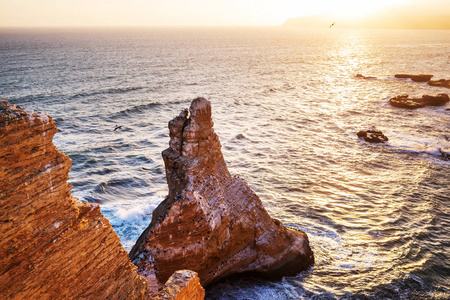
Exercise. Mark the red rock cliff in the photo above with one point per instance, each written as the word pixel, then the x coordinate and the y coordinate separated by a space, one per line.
pixel 52 246
pixel 212 222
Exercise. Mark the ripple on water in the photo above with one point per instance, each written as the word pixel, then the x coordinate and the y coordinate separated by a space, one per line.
pixel 286 107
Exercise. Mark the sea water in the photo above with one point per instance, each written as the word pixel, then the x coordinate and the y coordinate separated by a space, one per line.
pixel 286 107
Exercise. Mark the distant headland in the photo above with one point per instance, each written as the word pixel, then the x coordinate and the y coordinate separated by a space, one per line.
pixel 388 20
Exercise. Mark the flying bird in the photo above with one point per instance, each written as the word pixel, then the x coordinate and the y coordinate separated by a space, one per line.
pixel 332 24
pixel 118 127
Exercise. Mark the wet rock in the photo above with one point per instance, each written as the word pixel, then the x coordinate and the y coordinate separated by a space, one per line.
pixel 404 101
pixel 416 78
pixel 444 155
pixel 212 222
pixel 364 77
pixel 440 83
pixel 372 135
pixel 437 100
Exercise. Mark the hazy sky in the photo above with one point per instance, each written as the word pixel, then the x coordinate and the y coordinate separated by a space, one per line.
pixel 191 12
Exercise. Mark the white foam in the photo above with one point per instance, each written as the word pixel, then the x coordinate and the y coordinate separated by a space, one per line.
pixel 129 220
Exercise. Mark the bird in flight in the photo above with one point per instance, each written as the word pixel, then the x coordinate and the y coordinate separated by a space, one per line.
pixel 118 127
pixel 332 24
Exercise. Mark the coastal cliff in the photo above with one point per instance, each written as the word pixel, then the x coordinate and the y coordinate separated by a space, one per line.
pixel 53 246
pixel 212 222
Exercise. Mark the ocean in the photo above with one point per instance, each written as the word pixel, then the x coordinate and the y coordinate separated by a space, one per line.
pixel 286 107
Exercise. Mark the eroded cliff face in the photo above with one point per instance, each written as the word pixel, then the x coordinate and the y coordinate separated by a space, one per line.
pixel 51 245
pixel 212 222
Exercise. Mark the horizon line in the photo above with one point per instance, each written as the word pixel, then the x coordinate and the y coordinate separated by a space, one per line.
pixel 73 27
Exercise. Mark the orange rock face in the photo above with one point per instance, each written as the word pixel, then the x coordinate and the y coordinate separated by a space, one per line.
pixel 51 245
pixel 212 222
pixel 183 284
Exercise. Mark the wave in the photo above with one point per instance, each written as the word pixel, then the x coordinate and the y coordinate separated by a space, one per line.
pixel 107 92
pixel 144 107
pixel 118 189
pixel 29 98
pixel 136 109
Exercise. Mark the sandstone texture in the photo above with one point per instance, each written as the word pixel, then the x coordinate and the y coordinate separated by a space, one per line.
pixel 372 135
pixel 53 246
pixel 416 78
pixel 212 222
pixel 183 284
pixel 404 101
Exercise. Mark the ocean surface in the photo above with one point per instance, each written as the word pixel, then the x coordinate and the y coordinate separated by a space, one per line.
pixel 287 107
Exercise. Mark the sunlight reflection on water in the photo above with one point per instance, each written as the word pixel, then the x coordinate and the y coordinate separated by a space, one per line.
pixel 286 107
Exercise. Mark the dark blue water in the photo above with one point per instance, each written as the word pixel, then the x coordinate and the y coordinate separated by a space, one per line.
pixel 286 107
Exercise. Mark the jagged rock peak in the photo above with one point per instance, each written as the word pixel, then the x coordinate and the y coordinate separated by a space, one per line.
pixel 189 131
pixel 212 222
pixel 190 128
pixel 200 109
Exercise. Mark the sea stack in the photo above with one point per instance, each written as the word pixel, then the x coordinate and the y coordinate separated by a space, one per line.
pixel 53 246
pixel 212 222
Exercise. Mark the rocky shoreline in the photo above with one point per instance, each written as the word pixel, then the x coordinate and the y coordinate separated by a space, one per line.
pixel 54 246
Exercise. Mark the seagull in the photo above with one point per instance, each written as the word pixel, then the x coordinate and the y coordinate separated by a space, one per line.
pixel 332 24
pixel 118 127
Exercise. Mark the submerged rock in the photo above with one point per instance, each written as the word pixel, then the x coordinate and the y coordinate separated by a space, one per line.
pixel 416 78
pixel 212 222
pixel 372 136
pixel 404 101
pixel 440 83
pixel 365 77
pixel 444 155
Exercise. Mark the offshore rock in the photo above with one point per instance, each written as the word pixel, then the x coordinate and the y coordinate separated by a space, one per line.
pixel 53 246
pixel 212 222
pixel 364 77
pixel 372 135
pixel 404 101
pixel 440 83
pixel 444 155
pixel 416 78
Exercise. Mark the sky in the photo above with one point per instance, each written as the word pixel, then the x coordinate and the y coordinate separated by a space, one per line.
pixel 118 13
